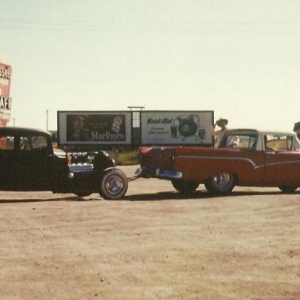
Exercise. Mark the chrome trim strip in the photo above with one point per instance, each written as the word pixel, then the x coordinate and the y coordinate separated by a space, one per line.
pixel 283 162
pixel 240 159
pixel 217 158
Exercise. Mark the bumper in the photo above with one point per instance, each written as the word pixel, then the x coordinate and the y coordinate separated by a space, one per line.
pixel 158 173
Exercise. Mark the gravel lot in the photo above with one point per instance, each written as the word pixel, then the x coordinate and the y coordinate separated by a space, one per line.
pixel 155 244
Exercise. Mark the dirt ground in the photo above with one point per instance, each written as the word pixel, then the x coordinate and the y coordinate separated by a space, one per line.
pixel 153 245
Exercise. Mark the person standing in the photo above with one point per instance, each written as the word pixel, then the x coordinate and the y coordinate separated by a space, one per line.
pixel 218 134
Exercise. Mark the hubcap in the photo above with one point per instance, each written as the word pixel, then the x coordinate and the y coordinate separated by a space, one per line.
pixel 114 184
pixel 222 180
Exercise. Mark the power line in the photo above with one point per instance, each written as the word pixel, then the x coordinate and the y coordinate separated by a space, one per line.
pixel 155 26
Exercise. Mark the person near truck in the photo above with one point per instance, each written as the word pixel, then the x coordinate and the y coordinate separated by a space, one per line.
pixel 219 133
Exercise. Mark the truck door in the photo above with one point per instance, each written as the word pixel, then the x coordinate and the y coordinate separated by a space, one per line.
pixel 281 163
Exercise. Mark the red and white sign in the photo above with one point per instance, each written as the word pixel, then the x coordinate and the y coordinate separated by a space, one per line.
pixel 5 100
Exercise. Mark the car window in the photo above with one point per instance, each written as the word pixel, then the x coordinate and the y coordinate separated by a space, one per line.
pixel 243 141
pixel 24 143
pixel 39 142
pixel 7 142
pixel 36 142
pixel 278 142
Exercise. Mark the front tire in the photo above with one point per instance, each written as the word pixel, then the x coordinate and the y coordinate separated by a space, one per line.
pixel 220 183
pixel 185 186
pixel 113 184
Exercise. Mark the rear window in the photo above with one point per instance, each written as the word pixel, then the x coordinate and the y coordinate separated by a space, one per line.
pixel 7 143
pixel 244 141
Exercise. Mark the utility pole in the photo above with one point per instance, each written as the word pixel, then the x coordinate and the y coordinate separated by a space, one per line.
pixel 136 123
pixel 47 113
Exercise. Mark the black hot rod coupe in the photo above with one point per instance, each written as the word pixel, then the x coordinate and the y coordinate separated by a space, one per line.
pixel 28 162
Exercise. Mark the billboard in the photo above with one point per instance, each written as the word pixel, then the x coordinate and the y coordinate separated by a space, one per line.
pixel 176 127
pixel 5 100
pixel 90 128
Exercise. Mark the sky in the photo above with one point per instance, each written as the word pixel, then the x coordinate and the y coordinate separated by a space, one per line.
pixel 239 58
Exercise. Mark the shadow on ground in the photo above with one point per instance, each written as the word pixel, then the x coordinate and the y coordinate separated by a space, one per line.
pixel 198 195
pixel 160 196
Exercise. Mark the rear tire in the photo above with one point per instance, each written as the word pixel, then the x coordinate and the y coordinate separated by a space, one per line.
pixel 220 183
pixel 113 184
pixel 185 186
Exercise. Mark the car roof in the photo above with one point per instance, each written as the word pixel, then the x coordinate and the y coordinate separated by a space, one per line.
pixel 251 130
pixel 22 130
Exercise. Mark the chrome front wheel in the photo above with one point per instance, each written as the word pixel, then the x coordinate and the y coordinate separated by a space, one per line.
pixel 113 184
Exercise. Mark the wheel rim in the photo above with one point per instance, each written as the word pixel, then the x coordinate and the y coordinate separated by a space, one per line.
pixel 222 181
pixel 114 184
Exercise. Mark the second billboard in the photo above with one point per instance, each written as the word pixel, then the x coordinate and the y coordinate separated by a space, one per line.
pixel 176 127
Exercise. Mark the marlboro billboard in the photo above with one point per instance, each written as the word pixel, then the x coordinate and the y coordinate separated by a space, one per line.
pixel 90 128
pixel 5 99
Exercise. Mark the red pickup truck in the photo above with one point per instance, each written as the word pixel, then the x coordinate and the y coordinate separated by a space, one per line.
pixel 244 157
